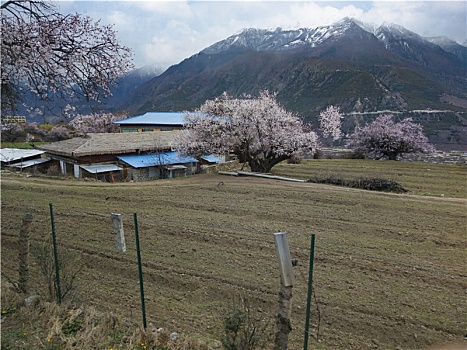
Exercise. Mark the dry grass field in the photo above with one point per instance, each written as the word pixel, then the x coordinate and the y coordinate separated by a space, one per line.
pixel 390 269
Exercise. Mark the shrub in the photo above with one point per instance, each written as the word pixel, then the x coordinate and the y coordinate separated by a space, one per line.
pixel 371 184
pixel 245 329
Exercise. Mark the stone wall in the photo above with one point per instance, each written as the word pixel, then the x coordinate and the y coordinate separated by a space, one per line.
pixel 227 166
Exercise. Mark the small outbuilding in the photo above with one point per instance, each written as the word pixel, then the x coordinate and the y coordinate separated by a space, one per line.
pixel 158 165
pixel 31 160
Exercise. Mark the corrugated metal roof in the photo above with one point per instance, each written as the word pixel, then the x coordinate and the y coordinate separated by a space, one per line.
pixel 167 118
pixel 156 159
pixel 211 159
pixel 100 168
pixel 31 162
pixel 105 143
pixel 14 154
pixel 175 167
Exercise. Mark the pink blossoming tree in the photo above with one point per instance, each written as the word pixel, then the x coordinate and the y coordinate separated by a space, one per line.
pixel 330 122
pixel 386 139
pixel 56 57
pixel 258 131
pixel 58 133
pixel 97 122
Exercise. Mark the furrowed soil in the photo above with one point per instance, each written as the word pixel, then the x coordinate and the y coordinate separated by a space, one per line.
pixel 389 269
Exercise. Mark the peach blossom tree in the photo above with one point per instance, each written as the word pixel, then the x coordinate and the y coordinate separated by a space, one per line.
pixel 330 122
pixel 259 131
pixel 97 122
pixel 56 57
pixel 386 139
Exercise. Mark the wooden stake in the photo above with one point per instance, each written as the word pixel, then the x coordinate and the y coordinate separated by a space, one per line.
pixel 284 326
pixel 117 224
pixel 23 249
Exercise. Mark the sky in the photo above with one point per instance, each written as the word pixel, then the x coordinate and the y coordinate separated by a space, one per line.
pixel 164 33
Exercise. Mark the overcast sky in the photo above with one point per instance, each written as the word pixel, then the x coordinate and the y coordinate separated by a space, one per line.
pixel 164 33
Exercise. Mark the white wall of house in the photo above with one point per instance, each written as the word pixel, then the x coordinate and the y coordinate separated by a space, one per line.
pixel 76 171
pixel 63 167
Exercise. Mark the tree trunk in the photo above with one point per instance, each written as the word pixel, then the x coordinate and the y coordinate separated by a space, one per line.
pixel 23 250
pixel 284 326
pixel 265 165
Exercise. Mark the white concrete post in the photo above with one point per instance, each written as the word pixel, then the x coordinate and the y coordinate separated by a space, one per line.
pixel 285 261
pixel 117 224
pixel 283 323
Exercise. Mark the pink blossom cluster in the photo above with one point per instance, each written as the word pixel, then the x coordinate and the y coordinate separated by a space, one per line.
pixel 257 130
pixel 386 139
pixel 97 122
pixel 29 132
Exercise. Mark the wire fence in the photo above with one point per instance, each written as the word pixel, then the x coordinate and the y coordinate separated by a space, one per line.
pixel 102 222
pixel 91 232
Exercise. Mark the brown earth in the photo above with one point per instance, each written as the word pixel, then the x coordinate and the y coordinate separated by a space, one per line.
pixel 389 269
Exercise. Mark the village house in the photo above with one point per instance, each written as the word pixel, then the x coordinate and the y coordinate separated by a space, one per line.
pixel 129 156
pixel 16 159
pixel 152 121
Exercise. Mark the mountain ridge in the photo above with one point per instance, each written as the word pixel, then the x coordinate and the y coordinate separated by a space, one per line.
pixel 356 66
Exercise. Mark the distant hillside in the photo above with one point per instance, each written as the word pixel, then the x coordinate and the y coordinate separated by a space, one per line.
pixel 125 86
pixel 130 82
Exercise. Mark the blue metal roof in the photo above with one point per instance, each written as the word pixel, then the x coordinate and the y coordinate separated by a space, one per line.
pixel 167 118
pixel 156 159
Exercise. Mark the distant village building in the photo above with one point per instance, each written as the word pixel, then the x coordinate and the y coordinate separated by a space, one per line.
pixel 14 119
pixel 153 121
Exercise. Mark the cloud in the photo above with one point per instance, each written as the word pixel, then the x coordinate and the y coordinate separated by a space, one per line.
pixel 172 8
pixel 166 32
pixel 120 19
pixel 427 18
pixel 172 45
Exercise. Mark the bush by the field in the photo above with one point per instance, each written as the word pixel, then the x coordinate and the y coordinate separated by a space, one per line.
pixel 371 184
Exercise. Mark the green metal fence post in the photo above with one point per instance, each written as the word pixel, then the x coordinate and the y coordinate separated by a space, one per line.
pixel 54 242
pixel 310 290
pixel 140 271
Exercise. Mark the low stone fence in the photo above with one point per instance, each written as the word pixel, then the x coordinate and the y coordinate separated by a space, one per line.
pixel 439 157
pixel 227 166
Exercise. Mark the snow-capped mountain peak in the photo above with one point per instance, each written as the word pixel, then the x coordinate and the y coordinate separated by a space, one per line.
pixel 278 39
pixel 393 37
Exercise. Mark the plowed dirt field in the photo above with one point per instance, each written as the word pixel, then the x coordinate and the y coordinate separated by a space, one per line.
pixel 390 269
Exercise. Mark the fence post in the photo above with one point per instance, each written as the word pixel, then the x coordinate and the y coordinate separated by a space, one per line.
pixel 283 323
pixel 310 290
pixel 54 242
pixel 23 250
pixel 117 224
pixel 140 271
